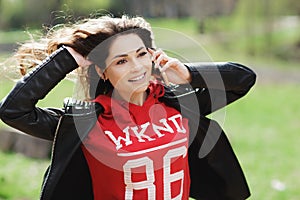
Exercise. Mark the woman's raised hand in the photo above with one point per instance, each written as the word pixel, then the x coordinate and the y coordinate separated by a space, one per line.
pixel 81 61
pixel 175 70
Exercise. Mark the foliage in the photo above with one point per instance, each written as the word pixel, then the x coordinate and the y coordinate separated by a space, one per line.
pixel 32 13
pixel 20 13
pixel 84 8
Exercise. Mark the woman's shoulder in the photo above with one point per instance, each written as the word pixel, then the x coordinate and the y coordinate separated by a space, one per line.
pixel 179 91
pixel 176 95
pixel 77 107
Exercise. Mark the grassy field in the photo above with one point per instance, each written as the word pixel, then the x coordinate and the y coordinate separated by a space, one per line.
pixel 263 130
pixel 263 126
pixel 20 177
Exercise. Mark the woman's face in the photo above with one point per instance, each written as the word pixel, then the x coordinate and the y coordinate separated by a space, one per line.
pixel 128 65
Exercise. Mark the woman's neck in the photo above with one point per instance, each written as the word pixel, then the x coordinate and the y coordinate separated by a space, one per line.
pixel 135 98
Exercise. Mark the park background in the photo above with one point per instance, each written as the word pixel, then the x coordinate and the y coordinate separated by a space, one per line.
pixel 263 127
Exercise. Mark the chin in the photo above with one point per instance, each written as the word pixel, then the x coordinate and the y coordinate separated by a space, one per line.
pixel 141 88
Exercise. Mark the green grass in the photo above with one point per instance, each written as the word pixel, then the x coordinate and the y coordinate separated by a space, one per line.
pixel 264 129
pixel 20 177
pixel 54 99
pixel 185 25
pixel 13 36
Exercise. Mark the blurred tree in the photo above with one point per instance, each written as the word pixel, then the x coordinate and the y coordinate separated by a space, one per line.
pixel 268 24
pixel 20 13
pixel 173 8
pixel 86 7
pixel 33 13
pixel 202 9
pixel 288 7
pixel 10 13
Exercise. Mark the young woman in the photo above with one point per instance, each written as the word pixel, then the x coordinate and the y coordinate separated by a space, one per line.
pixel 136 136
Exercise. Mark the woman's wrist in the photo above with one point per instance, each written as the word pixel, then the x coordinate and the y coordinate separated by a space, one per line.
pixel 187 74
pixel 80 60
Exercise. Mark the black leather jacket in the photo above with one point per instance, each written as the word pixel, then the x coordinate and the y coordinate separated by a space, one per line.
pixel 217 175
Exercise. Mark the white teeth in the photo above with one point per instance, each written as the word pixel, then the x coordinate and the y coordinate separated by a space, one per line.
pixel 138 78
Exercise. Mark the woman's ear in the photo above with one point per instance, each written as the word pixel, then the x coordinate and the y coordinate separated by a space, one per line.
pixel 100 72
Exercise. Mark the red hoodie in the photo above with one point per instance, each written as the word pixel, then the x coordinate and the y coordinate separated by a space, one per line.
pixel 138 152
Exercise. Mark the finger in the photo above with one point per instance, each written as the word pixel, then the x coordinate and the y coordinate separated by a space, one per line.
pixel 151 50
pixel 161 61
pixel 170 63
pixel 173 62
pixel 156 54
pixel 165 78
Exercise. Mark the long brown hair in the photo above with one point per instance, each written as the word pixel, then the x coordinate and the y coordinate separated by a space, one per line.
pixel 91 38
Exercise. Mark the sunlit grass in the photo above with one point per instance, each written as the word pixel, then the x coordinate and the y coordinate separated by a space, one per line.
pixel 264 129
pixel 13 36
pixel 20 177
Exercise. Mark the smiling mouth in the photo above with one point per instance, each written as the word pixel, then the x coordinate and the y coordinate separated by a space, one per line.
pixel 141 77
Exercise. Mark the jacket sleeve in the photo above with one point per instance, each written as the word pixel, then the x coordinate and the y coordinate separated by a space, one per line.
pixel 18 109
pixel 220 83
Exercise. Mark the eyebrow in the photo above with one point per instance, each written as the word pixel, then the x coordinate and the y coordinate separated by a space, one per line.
pixel 124 55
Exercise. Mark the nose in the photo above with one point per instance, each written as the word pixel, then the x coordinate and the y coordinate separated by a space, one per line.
pixel 136 65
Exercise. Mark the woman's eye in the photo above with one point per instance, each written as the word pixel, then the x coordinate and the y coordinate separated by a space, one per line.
pixel 142 54
pixel 120 62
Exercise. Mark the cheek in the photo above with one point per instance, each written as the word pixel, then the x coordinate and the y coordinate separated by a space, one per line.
pixel 116 78
pixel 148 66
